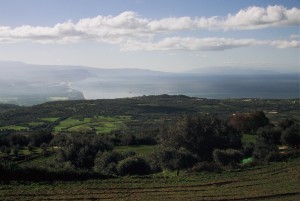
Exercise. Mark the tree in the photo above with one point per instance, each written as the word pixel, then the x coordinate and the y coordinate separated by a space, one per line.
pixel 16 150
pixel 291 136
pixel 30 147
pixel 264 151
pixel 248 149
pixel 18 139
pixel 3 148
pixel 40 137
pixel 227 157
pixel 201 135
pixel 249 122
pixel 286 123
pixel 269 134
pixel 173 159
pixel 133 166
pixel 44 148
pixel 106 162
pixel 81 150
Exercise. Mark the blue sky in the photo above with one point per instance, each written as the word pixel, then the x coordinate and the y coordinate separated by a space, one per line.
pixel 166 35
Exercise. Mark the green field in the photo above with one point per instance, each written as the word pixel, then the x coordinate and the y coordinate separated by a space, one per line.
pixel 50 119
pixel 277 181
pixel 99 124
pixel 249 138
pixel 13 127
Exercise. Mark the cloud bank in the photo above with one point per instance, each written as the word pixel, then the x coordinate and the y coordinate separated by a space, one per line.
pixel 204 44
pixel 134 33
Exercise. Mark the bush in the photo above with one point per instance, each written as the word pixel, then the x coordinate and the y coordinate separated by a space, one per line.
pixel 206 166
pixel 81 150
pixel 291 136
pixel 227 157
pixel 106 162
pixel 248 149
pixel 200 135
pixel 133 166
pixel 264 152
pixel 172 159
pixel 269 134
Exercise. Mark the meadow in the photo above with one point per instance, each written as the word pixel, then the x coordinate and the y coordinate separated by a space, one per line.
pixel 99 124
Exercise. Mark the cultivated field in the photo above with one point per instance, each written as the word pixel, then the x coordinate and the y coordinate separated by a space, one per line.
pixel 277 181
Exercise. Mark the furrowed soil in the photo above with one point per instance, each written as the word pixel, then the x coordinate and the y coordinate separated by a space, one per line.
pixel 276 181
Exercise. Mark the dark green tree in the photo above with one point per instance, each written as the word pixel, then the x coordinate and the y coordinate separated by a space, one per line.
pixel 230 157
pixel 81 150
pixel 201 135
pixel 249 122
pixel 106 162
pixel 133 166
pixel 269 134
pixel 44 148
pixel 291 136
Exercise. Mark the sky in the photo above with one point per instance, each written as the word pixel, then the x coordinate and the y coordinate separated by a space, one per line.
pixel 163 35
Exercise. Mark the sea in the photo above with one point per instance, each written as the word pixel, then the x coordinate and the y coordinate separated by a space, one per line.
pixel 267 86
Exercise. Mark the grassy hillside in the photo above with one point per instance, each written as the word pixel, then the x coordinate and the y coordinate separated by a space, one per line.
pixel 128 114
pixel 277 181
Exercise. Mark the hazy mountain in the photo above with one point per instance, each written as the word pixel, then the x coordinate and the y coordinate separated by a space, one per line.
pixel 27 84
pixel 230 70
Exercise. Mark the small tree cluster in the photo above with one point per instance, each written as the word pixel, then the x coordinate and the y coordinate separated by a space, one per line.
pixel 201 135
pixel 172 159
pixel 114 163
pixel 249 122
pixel 291 136
pixel 133 166
pixel 192 140
pixel 80 150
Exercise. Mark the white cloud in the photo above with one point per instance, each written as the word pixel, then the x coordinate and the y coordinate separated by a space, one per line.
pixel 285 44
pixel 133 32
pixel 203 44
pixel 110 29
pixel 195 44
pixel 257 18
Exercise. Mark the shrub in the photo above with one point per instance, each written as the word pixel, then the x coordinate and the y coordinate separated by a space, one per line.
pixel 3 148
pixel 133 166
pixel 269 134
pixel 44 148
pixel 200 135
pixel 227 157
pixel 248 149
pixel 128 154
pixel 16 150
pixel 264 152
pixel 291 136
pixel 206 166
pixel 172 159
pixel 81 150
pixel 106 162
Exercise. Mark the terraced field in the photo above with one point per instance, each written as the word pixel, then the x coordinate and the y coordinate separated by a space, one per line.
pixel 278 181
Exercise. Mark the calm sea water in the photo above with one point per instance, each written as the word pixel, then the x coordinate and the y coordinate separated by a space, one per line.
pixel 222 86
